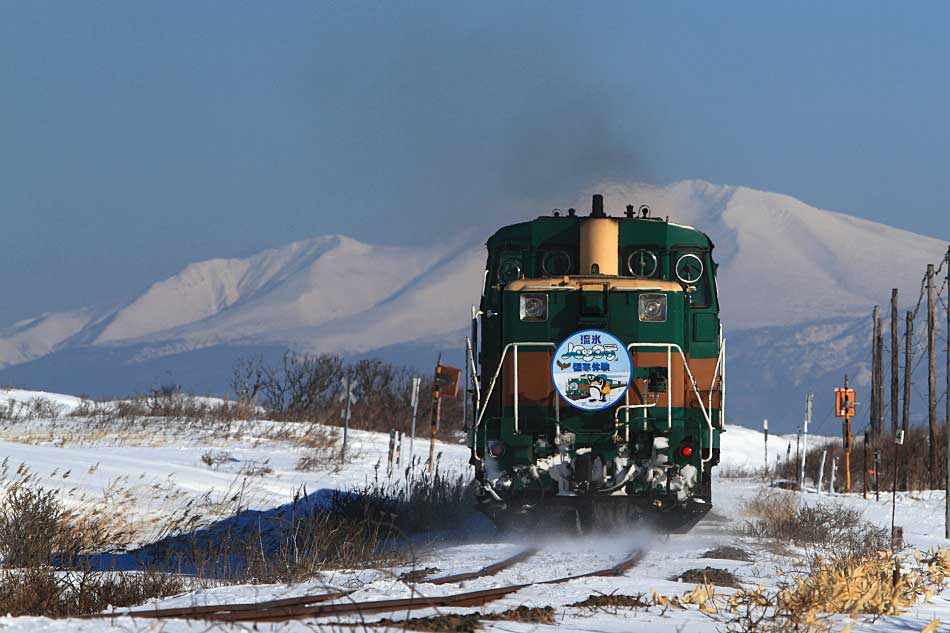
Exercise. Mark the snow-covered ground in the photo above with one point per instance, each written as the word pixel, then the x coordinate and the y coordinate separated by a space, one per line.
pixel 148 473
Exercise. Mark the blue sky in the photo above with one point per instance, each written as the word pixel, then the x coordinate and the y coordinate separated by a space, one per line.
pixel 135 138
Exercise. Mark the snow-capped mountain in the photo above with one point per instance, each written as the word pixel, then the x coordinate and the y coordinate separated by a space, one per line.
pixel 793 279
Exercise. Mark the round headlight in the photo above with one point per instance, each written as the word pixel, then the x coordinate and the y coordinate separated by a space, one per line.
pixel 652 309
pixel 533 307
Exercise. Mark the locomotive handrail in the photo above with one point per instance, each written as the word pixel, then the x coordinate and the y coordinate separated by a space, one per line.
pixel 719 375
pixel 669 399
pixel 491 387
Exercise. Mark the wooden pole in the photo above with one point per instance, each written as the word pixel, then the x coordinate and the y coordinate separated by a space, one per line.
pixel 847 440
pixel 947 415
pixel 932 373
pixel 877 474
pixel 908 368
pixel 866 460
pixel 895 366
pixel 879 422
pixel 875 369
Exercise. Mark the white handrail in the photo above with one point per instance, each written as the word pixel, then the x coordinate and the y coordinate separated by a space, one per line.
pixel 719 373
pixel 491 388
pixel 669 389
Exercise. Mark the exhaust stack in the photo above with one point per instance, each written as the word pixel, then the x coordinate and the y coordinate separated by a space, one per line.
pixel 600 242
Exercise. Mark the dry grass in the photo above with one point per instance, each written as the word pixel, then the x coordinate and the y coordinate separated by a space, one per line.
pixel 871 584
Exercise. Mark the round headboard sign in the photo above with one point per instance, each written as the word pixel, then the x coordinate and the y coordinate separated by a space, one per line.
pixel 591 370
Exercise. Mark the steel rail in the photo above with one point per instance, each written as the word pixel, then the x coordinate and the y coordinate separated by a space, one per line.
pixel 467 599
pixel 488 570
pixel 284 610
pixel 210 609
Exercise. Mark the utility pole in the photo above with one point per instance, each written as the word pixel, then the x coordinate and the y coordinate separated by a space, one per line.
pixel 866 449
pixel 947 418
pixel 895 367
pixel 875 370
pixel 877 474
pixel 848 405
pixel 765 431
pixel 908 358
pixel 880 379
pixel 898 440
pixel 932 375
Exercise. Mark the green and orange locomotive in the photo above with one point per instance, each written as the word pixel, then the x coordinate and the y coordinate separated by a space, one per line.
pixel 600 369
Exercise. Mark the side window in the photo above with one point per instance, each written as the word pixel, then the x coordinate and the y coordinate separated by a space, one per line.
pixel 510 267
pixel 556 262
pixel 689 267
pixel 642 262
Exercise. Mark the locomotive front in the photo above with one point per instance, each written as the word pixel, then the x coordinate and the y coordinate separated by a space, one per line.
pixel 600 369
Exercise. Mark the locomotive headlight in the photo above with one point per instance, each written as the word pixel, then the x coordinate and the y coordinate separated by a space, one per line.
pixel 534 307
pixel 652 308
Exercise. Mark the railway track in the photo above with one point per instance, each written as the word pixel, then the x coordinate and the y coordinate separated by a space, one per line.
pixel 312 606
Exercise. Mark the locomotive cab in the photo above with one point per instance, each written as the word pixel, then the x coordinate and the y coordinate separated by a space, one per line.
pixel 600 373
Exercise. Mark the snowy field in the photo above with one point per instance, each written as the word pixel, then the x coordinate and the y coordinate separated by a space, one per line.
pixel 147 473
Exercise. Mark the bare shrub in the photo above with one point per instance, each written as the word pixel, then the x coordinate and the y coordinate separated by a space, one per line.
pixel 41 591
pixel 33 525
pixel 822 527
pixel 323 449
pixel 256 469
pixel 36 529
pixel 35 408
pixel 300 387
pixel 306 388
pixel 213 458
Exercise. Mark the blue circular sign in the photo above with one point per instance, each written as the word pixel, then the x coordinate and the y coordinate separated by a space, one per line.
pixel 591 370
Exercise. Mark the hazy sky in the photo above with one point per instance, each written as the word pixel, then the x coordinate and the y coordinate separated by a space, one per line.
pixel 135 137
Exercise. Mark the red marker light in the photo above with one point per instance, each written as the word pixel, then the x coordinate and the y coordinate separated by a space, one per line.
pixel 496 449
pixel 686 451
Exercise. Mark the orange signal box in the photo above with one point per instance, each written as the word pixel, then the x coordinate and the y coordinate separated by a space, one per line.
pixel 447 380
pixel 844 403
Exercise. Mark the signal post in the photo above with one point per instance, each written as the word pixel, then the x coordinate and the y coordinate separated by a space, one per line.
pixel 445 384
pixel 845 408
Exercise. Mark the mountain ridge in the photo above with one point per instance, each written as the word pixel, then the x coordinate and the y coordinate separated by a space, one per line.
pixel 783 265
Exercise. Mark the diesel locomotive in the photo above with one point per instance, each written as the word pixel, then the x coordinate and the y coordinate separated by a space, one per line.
pixel 599 369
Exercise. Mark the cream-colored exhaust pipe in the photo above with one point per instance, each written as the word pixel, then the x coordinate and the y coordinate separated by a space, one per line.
pixel 600 243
